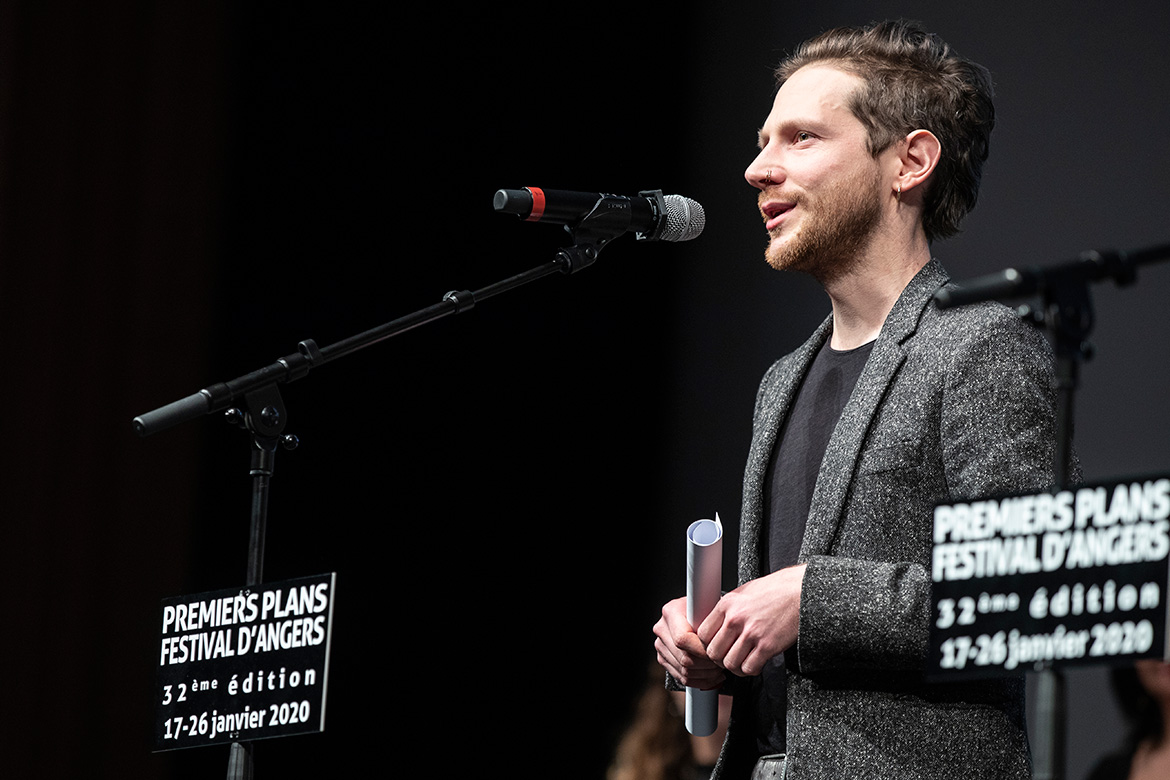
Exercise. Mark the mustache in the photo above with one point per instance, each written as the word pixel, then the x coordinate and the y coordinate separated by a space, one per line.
pixel 774 193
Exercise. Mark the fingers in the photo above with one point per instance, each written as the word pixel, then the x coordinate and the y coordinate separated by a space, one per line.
pixel 690 645
pixel 735 639
pixel 725 644
pixel 719 636
pixel 681 652
pixel 693 671
pixel 709 629
pixel 742 656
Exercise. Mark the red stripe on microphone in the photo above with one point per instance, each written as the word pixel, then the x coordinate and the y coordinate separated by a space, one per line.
pixel 537 204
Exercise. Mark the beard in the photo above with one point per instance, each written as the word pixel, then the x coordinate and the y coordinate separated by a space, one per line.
pixel 837 227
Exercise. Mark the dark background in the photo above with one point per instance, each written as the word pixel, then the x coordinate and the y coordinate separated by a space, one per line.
pixel 189 189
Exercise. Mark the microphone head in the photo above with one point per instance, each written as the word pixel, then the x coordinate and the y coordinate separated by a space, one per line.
pixel 685 219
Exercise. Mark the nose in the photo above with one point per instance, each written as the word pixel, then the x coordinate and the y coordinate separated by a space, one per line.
pixel 761 173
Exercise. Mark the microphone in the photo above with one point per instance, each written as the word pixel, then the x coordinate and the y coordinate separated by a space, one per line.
pixel 650 214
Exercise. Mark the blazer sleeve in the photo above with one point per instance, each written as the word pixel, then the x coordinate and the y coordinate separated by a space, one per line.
pixel 995 412
pixel 861 614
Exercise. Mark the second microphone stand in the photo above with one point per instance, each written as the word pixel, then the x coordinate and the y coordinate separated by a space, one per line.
pixel 1066 312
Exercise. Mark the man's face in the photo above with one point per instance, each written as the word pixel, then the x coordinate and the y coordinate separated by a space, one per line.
pixel 820 189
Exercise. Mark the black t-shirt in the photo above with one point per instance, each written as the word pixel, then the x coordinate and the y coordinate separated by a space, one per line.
pixel 791 479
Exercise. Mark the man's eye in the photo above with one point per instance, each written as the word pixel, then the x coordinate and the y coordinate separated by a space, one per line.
pixel 803 136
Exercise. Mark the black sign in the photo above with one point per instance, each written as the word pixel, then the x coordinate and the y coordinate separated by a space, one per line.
pixel 1073 577
pixel 246 664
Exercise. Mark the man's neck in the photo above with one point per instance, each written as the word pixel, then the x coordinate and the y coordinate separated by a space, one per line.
pixel 863 297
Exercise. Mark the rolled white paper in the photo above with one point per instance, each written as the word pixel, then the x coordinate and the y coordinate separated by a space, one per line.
pixel 704 584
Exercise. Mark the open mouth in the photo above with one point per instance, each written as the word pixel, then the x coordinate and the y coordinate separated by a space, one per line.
pixel 774 213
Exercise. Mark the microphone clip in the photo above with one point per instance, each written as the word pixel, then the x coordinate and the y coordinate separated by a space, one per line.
pixel 610 217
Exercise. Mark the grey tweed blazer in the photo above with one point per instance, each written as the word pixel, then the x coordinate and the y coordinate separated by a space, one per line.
pixel 951 404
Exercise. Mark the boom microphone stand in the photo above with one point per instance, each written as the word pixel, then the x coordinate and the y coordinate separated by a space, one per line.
pixel 264 415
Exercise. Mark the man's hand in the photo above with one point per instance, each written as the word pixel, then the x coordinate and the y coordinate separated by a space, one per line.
pixel 680 652
pixel 755 622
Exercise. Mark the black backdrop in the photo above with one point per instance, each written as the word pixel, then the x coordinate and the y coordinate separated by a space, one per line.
pixel 188 190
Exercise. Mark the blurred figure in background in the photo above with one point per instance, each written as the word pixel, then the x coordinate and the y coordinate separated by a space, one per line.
pixel 1143 691
pixel 657 746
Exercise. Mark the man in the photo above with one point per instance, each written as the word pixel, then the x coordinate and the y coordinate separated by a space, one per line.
pixel 873 148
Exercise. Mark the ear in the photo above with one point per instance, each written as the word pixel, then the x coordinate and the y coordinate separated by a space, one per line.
pixel 918 154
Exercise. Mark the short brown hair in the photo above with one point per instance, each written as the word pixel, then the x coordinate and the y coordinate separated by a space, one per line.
pixel 913 80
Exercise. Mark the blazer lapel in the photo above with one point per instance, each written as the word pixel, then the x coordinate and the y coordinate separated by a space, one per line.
pixel 849 436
